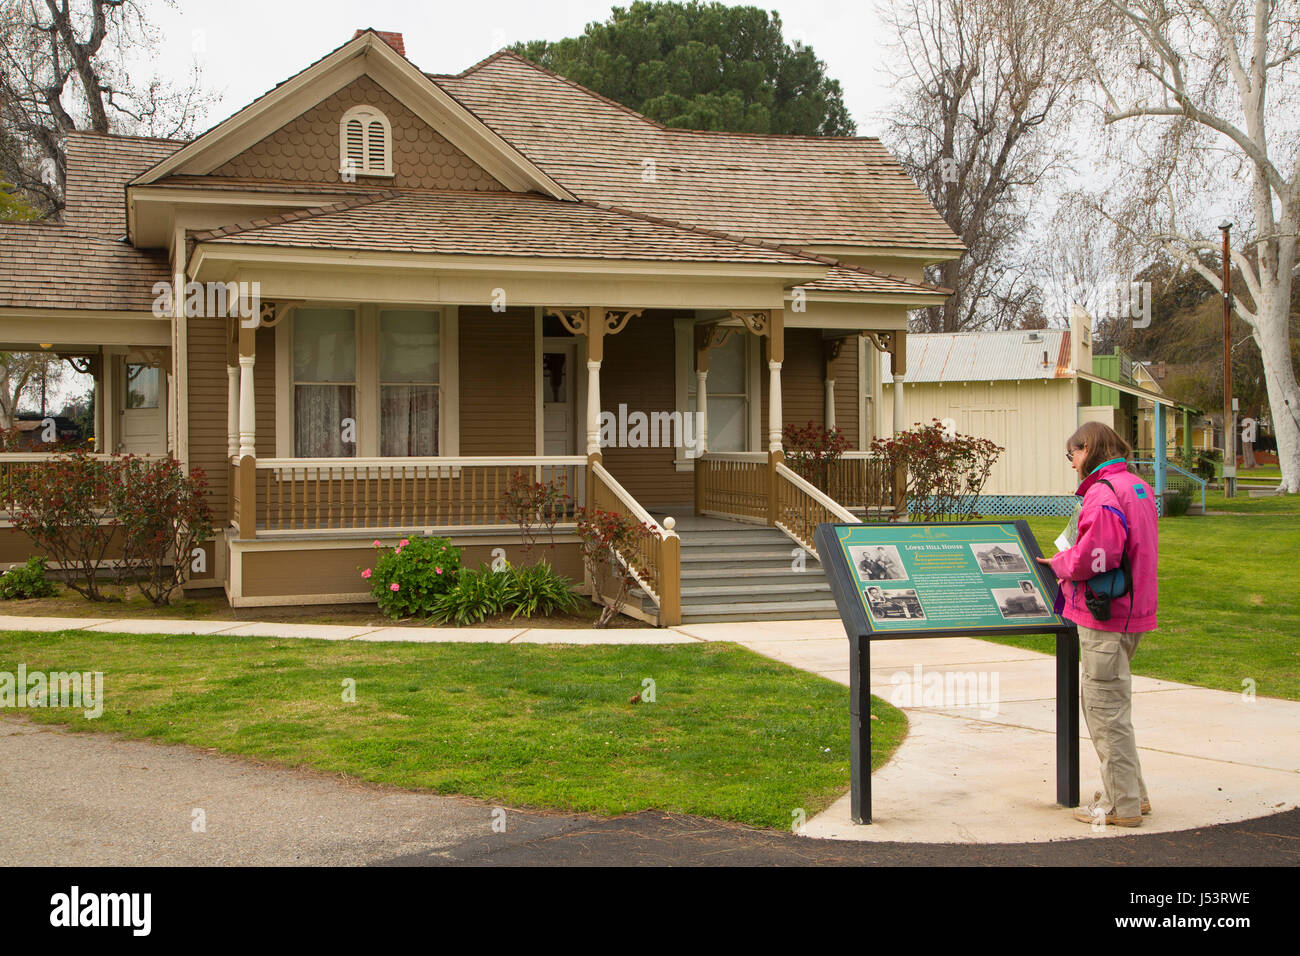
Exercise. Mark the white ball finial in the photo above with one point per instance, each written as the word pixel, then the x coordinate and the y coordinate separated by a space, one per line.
pixel 670 523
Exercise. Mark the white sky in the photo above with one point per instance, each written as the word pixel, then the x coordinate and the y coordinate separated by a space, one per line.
pixel 247 46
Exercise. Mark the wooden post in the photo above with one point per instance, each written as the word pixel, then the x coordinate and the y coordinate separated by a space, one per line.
pixel 670 583
pixel 247 434
pixel 703 336
pixel 898 367
pixel 775 453
pixel 595 355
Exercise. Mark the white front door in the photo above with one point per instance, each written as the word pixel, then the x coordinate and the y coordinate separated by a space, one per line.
pixel 558 397
pixel 141 406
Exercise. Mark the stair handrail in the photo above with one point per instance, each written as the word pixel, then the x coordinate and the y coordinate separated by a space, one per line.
pixel 1170 466
pixel 669 574
pixel 807 488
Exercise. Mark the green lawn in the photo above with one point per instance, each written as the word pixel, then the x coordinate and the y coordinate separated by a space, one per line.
pixel 732 734
pixel 1229 609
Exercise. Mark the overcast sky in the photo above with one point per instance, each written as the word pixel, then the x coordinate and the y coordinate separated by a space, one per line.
pixel 247 46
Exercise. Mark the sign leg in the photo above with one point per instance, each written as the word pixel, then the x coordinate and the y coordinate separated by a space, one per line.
pixel 860 730
pixel 1067 718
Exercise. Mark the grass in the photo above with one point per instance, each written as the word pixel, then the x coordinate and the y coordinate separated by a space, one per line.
pixel 731 735
pixel 1228 605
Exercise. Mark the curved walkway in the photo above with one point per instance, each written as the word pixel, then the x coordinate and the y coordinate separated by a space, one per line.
pixel 976 770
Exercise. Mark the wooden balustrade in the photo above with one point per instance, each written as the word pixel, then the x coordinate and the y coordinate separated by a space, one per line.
pixel 732 485
pixel 801 507
pixel 315 494
pixel 12 463
pixel 656 561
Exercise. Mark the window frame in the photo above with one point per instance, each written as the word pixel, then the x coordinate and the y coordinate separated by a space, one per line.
pixel 684 353
pixel 367 115
pixel 368 381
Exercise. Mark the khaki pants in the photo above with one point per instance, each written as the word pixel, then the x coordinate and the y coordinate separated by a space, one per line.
pixel 1107 692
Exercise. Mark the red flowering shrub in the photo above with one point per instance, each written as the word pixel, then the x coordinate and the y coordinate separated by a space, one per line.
pixel 610 546
pixel 945 470
pixel 811 449
pixel 534 505
pixel 163 515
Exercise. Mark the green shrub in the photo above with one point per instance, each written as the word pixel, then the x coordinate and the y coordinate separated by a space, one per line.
pixel 408 580
pixel 540 589
pixel 27 581
pixel 475 596
pixel 1177 503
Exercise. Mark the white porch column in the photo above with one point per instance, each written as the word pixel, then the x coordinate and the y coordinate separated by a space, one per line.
pixel 232 411
pixel 247 409
pixel 773 406
pixel 593 407
pixel 830 404
pixel 702 409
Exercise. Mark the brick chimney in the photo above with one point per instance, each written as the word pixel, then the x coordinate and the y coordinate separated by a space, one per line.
pixel 392 39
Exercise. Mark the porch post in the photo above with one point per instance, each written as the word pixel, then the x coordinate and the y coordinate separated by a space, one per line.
pixel 247 435
pixel 830 354
pixel 775 454
pixel 702 339
pixel 101 413
pixel 898 366
pixel 232 411
pixel 1161 450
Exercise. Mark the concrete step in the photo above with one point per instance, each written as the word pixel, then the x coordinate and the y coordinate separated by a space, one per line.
pixel 755 580
pixel 759 611
pixel 739 557
pixel 725 539
pixel 748 593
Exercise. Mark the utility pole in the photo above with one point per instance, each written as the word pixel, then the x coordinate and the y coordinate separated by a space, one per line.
pixel 1229 420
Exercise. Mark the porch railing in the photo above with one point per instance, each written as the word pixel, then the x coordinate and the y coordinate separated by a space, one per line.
pixel 319 494
pixel 656 561
pixel 801 507
pixel 12 463
pixel 859 479
pixel 732 484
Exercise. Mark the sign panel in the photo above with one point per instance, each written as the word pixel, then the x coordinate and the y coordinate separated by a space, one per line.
pixel 969 577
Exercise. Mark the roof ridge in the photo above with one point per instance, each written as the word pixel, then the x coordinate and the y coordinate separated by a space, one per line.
pixel 295 216
pixel 131 136
pixel 854 267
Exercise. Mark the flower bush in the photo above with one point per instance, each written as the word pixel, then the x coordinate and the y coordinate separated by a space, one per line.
pixel 534 506
pixel 26 581
pixel 945 470
pixel 163 515
pixel 606 537
pixel 811 449
pixel 407 580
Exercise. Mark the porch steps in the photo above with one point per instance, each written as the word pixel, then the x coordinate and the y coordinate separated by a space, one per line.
pixel 742 572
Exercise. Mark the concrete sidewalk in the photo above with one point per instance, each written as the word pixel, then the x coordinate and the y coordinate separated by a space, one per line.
pixel 973 770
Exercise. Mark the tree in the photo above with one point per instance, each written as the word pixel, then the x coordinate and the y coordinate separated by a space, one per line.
pixel 1205 91
pixel 21 375
pixel 15 207
pixel 984 85
pixel 701 66
pixel 62 68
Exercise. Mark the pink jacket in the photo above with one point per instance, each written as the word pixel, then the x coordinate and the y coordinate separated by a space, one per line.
pixel 1105 521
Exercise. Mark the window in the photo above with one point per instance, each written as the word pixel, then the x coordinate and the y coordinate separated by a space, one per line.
pixel 324 383
pixel 408 383
pixel 141 385
pixel 363 382
pixel 733 377
pixel 365 143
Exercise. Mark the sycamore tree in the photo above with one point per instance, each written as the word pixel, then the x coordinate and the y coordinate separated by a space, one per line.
pixel 1204 96
pixel 702 66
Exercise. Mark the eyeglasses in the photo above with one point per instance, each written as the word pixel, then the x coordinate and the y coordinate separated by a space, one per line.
pixel 1069 454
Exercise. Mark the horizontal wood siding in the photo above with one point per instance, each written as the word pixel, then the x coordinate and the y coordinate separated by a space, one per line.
pixel 640 371
pixel 498 382
pixel 208 390
pixel 803 380
pixel 845 372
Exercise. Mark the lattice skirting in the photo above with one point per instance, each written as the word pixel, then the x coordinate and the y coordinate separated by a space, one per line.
pixel 1046 505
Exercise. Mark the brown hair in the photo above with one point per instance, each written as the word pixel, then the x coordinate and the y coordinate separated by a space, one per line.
pixel 1103 444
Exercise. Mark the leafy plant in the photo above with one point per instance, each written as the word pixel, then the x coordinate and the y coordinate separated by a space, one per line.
pixel 475 596
pixel 61 504
pixel 811 450
pixel 610 548
pixel 540 589
pixel 1177 503
pixel 945 470
pixel 407 580
pixel 27 581
pixel 163 515
pixel 534 505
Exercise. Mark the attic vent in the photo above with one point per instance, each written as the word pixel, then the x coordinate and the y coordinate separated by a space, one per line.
pixel 365 143
pixel 1033 337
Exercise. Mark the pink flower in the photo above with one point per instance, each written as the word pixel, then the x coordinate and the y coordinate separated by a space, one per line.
pixel 437 570
pixel 377 544
pixel 393 586
pixel 403 543
pixel 366 573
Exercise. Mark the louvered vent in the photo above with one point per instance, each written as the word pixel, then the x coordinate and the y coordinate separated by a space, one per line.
pixel 366 141
pixel 377 147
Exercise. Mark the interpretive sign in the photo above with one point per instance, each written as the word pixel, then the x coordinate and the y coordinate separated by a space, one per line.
pixel 967 579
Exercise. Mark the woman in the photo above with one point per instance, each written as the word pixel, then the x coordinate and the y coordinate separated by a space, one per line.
pixel 1118 515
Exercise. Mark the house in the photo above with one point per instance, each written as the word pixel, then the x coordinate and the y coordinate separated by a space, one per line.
pixel 366 299
pixel 1026 390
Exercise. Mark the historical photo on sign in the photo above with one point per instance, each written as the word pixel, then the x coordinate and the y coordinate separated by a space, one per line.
pixel 1024 601
pixel 894 604
pixel 1000 558
pixel 878 563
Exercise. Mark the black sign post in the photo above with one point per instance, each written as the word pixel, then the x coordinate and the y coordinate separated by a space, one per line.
pixel 967 579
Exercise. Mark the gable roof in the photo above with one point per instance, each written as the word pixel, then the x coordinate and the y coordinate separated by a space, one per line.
pixel 99 167
pixel 492 224
pixel 985 356
pixel 803 190
pixel 367 53
pixel 53 266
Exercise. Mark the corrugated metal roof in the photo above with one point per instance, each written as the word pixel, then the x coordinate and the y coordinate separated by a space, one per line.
pixel 985 356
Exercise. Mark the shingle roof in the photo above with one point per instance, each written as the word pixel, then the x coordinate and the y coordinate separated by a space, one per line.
pixel 854 279
pixel 791 189
pixel 53 266
pixel 985 356
pixel 99 167
pixel 504 224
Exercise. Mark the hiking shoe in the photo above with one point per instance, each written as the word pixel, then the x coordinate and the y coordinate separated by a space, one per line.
pixel 1145 807
pixel 1093 813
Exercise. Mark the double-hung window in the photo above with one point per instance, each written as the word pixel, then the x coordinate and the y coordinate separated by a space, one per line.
pixel 365 382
